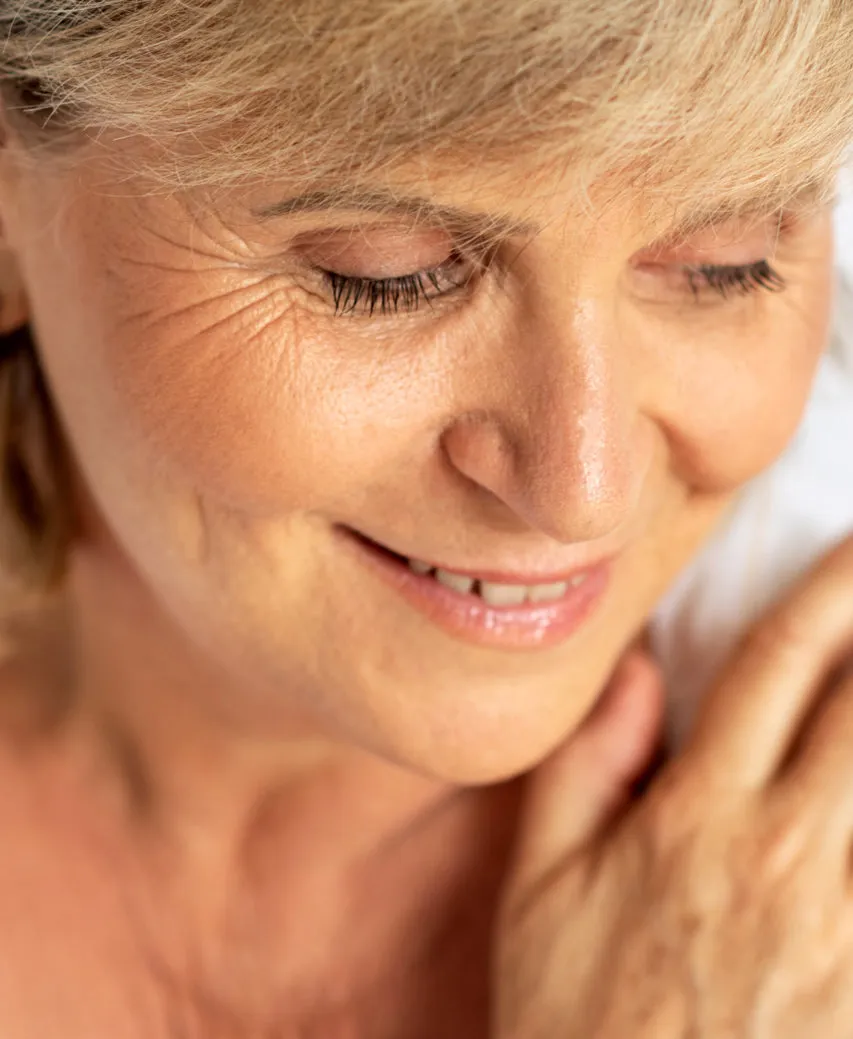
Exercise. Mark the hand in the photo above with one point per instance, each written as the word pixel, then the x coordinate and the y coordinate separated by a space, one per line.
pixel 718 904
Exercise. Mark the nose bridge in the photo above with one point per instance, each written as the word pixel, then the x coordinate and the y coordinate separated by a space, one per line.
pixel 560 448
pixel 581 435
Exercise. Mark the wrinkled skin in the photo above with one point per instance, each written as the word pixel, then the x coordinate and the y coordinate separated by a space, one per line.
pixel 225 423
pixel 273 797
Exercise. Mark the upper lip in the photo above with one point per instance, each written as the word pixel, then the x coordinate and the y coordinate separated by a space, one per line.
pixel 585 559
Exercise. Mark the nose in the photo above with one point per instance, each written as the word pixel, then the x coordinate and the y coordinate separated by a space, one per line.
pixel 557 438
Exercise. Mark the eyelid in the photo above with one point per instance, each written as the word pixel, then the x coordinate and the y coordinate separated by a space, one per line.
pixel 666 282
pixel 377 254
pixel 354 294
pixel 724 254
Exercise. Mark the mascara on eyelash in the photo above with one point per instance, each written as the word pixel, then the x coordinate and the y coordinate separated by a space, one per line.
pixel 742 279
pixel 384 294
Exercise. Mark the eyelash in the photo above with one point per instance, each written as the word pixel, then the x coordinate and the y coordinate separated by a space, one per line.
pixel 387 295
pixel 742 279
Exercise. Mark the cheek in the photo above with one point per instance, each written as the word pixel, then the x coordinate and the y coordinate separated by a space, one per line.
pixel 227 389
pixel 737 402
pixel 175 380
pixel 743 419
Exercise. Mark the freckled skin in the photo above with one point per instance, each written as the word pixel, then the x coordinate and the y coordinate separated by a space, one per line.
pixel 224 422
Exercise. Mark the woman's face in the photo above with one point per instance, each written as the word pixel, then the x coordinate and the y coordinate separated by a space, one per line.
pixel 555 420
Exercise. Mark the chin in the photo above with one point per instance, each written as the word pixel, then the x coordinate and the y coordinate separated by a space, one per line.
pixel 476 761
pixel 487 738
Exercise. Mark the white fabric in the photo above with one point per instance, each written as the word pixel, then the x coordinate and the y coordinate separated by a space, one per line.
pixel 844 223
pixel 783 521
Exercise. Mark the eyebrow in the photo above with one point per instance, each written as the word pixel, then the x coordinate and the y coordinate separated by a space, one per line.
pixel 477 227
pixel 464 221
pixel 802 199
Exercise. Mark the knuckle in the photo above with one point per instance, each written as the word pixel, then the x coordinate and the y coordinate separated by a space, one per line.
pixel 779 853
pixel 703 840
pixel 774 864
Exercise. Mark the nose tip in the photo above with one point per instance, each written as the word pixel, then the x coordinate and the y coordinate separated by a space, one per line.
pixel 572 478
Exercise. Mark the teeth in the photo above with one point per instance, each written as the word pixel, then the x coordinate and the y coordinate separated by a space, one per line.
pixel 494 593
pixel 419 567
pixel 455 581
pixel 503 594
pixel 547 592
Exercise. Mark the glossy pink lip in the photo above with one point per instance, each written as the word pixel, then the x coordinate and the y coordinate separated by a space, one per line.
pixel 469 617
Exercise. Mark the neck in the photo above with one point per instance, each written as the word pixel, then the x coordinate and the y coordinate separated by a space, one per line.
pixel 270 836
pixel 151 702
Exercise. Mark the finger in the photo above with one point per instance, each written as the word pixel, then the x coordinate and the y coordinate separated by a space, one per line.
pixel 573 795
pixel 821 770
pixel 751 718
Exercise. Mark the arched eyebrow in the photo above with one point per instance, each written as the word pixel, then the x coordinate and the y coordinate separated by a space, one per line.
pixel 464 222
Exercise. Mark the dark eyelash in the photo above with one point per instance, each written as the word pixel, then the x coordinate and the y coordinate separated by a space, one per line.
pixel 742 279
pixel 387 295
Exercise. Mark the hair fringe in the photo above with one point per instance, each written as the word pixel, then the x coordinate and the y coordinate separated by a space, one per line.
pixel 704 99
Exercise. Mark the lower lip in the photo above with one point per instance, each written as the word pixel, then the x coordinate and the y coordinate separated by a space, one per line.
pixel 469 617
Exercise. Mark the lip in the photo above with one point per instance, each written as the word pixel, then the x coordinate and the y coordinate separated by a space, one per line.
pixel 470 618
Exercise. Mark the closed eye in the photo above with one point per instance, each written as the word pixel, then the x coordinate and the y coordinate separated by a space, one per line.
pixel 383 296
pixel 741 279
pixel 405 293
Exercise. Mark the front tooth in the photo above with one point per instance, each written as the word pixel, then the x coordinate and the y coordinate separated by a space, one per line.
pixel 548 592
pixel 455 581
pixel 578 579
pixel 503 594
pixel 418 567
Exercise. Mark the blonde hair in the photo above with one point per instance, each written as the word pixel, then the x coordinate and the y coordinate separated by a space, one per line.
pixel 698 105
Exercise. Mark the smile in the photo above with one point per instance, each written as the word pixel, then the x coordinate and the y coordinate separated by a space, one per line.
pixel 496 593
pixel 498 609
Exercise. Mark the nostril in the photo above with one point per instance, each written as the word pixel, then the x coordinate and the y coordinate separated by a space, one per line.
pixel 477 448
